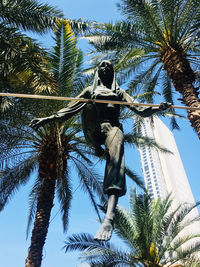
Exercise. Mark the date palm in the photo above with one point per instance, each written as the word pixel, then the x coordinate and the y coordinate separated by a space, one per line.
pixel 51 150
pixel 149 230
pixel 21 58
pixel 22 64
pixel 159 41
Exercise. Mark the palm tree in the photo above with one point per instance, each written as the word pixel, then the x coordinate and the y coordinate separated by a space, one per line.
pixel 151 231
pixel 21 58
pixel 51 150
pixel 22 64
pixel 159 40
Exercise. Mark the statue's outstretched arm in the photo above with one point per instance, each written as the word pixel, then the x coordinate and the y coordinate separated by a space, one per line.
pixel 144 111
pixel 63 114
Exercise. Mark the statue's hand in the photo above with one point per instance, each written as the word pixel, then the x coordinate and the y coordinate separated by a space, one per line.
pixel 36 123
pixel 165 105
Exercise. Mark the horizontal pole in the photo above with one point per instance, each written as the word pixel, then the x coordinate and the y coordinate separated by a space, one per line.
pixel 91 100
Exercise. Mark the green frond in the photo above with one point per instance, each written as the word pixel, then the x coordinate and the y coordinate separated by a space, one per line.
pixel 23 63
pixel 141 79
pixel 147 231
pixel 13 177
pixel 80 27
pixel 96 253
pixel 182 255
pixel 177 244
pixel 83 241
pixel 29 14
pixel 146 12
pixel 138 140
pixel 125 228
pixel 167 89
pixel 64 192
pixel 65 58
pixel 90 182
pixel 126 57
pixel 151 85
pixel 33 197
pixel 82 153
pixel 135 178
pixel 188 11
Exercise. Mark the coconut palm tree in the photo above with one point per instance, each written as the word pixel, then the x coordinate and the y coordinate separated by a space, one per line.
pixel 159 41
pixel 151 232
pixel 51 150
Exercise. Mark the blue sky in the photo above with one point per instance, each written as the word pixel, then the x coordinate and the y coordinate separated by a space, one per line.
pixel 13 219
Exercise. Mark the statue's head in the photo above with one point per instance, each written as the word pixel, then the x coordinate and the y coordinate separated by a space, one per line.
pixel 106 73
pixel 105 76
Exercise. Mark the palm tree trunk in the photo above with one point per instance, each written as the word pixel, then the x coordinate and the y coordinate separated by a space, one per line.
pixel 182 76
pixel 41 223
pixel 48 174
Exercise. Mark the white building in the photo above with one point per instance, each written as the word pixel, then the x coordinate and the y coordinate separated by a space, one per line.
pixel 163 172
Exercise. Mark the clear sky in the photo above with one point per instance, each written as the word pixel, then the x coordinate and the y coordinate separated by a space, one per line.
pixel 13 219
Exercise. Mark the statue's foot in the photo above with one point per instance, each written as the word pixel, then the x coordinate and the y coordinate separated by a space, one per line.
pixel 105 231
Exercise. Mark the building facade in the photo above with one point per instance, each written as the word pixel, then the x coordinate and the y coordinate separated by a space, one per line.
pixel 164 172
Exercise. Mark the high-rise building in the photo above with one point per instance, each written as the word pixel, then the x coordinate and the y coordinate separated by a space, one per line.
pixel 163 172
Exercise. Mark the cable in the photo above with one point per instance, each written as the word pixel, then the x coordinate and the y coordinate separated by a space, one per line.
pixel 91 100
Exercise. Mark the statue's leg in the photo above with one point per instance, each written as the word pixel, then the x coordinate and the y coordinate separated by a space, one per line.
pixel 106 228
pixel 114 180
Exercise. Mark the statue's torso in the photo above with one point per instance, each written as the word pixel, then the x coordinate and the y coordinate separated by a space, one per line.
pixel 94 115
pixel 107 112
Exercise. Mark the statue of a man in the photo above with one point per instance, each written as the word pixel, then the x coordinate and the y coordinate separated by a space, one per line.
pixel 101 126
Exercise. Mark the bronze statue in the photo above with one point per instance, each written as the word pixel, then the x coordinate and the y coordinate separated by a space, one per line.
pixel 101 126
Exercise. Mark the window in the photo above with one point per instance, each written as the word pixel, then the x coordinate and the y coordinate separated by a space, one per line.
pixel 146 168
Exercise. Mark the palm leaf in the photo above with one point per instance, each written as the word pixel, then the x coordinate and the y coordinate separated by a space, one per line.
pixel 13 177
pixel 29 14
pixel 33 197
pixel 64 193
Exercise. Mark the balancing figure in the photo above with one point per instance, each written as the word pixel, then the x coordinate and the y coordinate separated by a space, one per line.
pixel 101 126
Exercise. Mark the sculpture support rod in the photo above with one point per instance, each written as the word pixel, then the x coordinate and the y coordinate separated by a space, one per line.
pixel 91 100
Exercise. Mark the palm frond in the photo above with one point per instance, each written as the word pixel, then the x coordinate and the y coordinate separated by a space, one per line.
pixel 125 228
pixel 13 177
pixel 64 193
pixel 135 178
pixel 33 197
pixel 96 253
pixel 83 241
pixel 29 14
pixel 138 140
pixel 90 182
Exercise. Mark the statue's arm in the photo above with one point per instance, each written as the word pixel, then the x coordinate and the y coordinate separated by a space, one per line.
pixel 63 114
pixel 144 111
